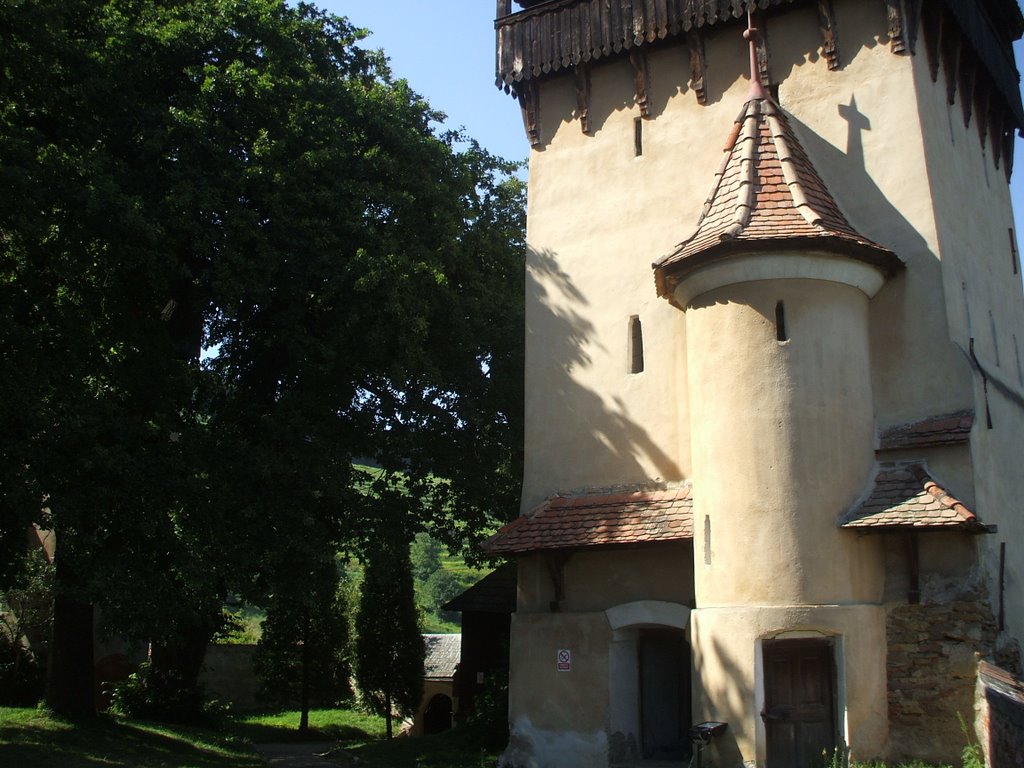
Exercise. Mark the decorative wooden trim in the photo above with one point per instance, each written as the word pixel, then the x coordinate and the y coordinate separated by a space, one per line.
pixel 528 94
pixel 641 79
pixel 997 132
pixel 698 65
pixel 949 51
pixel 583 96
pixel 982 107
pixel 968 73
pixel 931 23
pixel 894 11
pixel 829 37
pixel 912 8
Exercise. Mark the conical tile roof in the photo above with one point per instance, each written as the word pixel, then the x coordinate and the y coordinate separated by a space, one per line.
pixel 767 195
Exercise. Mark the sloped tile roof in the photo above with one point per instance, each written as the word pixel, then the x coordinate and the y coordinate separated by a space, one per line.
pixel 594 520
pixel 905 496
pixel 494 593
pixel 443 654
pixel 950 429
pixel 767 195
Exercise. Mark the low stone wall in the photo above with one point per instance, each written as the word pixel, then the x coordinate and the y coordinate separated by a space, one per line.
pixel 228 676
pixel 1001 716
pixel 933 657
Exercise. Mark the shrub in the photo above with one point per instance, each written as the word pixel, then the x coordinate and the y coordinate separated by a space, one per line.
pixel 148 695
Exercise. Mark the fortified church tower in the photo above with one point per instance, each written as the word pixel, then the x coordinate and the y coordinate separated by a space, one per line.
pixel 775 394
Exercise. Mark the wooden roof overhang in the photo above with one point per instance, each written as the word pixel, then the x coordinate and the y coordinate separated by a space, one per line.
pixel 971 38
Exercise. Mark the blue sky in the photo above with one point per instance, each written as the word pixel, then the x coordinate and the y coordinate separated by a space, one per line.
pixel 445 49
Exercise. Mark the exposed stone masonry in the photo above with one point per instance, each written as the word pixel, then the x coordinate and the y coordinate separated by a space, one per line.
pixel 934 650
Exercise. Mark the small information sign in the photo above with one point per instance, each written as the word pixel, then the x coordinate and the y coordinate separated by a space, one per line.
pixel 564 660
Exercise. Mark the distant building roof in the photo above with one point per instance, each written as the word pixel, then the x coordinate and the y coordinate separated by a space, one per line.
pixel 904 496
pixel 494 593
pixel 443 654
pixel 950 429
pixel 600 519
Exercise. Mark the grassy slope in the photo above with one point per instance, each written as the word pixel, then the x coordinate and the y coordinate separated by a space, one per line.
pixel 29 739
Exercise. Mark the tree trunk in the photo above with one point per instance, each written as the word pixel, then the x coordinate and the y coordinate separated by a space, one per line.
pixel 304 692
pixel 387 714
pixel 71 685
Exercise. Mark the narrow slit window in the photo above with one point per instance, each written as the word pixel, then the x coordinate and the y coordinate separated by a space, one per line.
pixel 638 136
pixel 636 345
pixel 781 334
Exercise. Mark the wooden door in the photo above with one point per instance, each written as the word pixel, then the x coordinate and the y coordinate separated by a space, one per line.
pixel 799 711
pixel 664 694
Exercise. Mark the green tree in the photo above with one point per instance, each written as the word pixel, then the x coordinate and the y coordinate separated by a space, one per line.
pixel 180 175
pixel 302 658
pixel 425 555
pixel 389 647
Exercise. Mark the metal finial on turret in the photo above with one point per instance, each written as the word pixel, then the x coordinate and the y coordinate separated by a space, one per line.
pixel 750 35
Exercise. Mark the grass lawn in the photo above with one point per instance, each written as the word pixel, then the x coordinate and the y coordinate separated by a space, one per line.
pixel 33 739
pixel 324 725
pixel 30 739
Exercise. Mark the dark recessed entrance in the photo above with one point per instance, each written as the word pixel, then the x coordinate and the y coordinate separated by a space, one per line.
pixel 664 694
pixel 799 707
pixel 438 715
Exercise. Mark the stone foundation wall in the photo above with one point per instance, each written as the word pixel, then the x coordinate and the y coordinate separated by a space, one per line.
pixel 932 668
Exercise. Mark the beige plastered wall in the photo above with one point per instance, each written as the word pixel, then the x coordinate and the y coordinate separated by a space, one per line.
pixel 599 215
pixel 727 657
pixel 984 302
pixel 783 442
pixel 598 580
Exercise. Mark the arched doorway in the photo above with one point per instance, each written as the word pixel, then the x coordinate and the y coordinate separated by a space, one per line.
pixel 437 717
pixel 664 668
pixel 649 664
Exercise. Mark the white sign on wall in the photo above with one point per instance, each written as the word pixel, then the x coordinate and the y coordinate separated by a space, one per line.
pixel 564 663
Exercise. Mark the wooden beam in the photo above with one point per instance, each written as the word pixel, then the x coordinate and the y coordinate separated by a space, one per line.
pixel 638 58
pixel 698 65
pixel 949 51
pixel 931 24
pixel 583 96
pixel 829 36
pixel 912 9
pixel 528 95
pixel 894 12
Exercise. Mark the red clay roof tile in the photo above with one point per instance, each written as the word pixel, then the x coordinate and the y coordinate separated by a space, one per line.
pixel 904 496
pixel 937 430
pixel 593 520
pixel 767 194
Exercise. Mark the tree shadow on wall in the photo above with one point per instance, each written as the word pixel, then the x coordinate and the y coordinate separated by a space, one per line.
pixel 600 443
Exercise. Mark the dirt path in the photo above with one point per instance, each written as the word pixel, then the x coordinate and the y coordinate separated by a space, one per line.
pixel 313 754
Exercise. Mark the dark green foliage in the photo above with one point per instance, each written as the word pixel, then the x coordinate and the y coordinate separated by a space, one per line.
pixel 425 555
pixel 305 643
pixel 441 587
pixel 389 646
pixel 239 176
pixel 26 616
pixel 151 694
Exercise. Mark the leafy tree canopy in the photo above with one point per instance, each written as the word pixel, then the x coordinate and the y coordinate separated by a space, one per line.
pixel 238 176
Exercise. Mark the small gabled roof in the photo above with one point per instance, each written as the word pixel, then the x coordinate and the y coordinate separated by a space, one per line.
pixel 767 195
pixel 443 654
pixel 598 520
pixel 904 496
pixel 949 429
pixel 494 593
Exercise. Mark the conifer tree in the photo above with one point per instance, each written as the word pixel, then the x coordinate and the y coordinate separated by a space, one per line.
pixel 389 647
